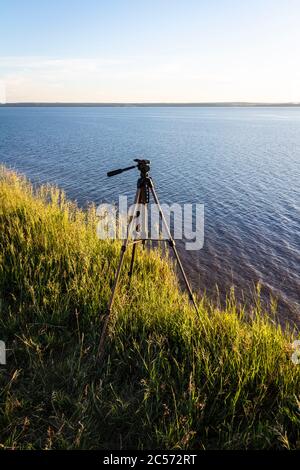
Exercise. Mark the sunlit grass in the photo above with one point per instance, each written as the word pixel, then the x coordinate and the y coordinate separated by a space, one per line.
pixel 167 378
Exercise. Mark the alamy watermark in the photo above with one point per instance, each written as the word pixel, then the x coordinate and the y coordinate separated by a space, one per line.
pixel 2 92
pixel 296 354
pixel 140 221
pixel 2 353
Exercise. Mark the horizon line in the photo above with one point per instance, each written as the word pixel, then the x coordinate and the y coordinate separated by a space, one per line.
pixel 157 103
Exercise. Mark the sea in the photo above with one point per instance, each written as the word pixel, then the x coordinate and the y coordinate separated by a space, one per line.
pixel 241 163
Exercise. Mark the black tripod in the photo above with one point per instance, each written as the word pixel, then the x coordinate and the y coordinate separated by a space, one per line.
pixel 144 188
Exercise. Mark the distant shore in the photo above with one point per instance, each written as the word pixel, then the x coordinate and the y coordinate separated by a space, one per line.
pixel 191 105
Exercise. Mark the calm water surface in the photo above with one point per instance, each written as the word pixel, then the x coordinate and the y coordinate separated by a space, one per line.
pixel 242 163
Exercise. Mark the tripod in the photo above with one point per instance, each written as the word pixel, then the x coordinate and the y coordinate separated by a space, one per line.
pixel 145 187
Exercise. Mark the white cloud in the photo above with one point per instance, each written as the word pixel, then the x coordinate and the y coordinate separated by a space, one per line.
pixel 147 79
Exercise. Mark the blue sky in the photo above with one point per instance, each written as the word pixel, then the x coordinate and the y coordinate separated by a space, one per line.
pixel 158 50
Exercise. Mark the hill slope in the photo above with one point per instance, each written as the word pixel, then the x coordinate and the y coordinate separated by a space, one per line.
pixel 167 379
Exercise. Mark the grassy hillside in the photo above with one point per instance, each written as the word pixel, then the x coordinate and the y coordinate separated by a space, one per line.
pixel 167 379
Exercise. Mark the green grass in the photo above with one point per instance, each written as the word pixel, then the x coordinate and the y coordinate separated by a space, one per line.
pixel 167 379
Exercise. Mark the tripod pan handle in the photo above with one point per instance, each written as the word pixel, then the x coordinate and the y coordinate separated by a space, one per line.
pixel 120 170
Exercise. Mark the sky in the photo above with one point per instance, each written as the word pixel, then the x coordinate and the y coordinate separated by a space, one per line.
pixel 149 50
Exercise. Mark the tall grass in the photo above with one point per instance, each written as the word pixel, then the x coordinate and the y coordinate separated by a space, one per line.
pixel 167 379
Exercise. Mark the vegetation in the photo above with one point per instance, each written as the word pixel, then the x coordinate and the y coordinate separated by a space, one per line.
pixel 167 379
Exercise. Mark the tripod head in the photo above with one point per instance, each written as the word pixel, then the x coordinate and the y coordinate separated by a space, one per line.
pixel 142 165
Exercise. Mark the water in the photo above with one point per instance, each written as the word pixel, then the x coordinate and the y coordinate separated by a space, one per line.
pixel 242 163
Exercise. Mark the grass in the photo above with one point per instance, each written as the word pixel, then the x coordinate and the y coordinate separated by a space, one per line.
pixel 167 379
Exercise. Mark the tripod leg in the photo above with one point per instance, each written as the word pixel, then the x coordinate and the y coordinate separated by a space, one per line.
pixel 132 262
pixel 117 277
pixel 172 244
pixel 143 230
